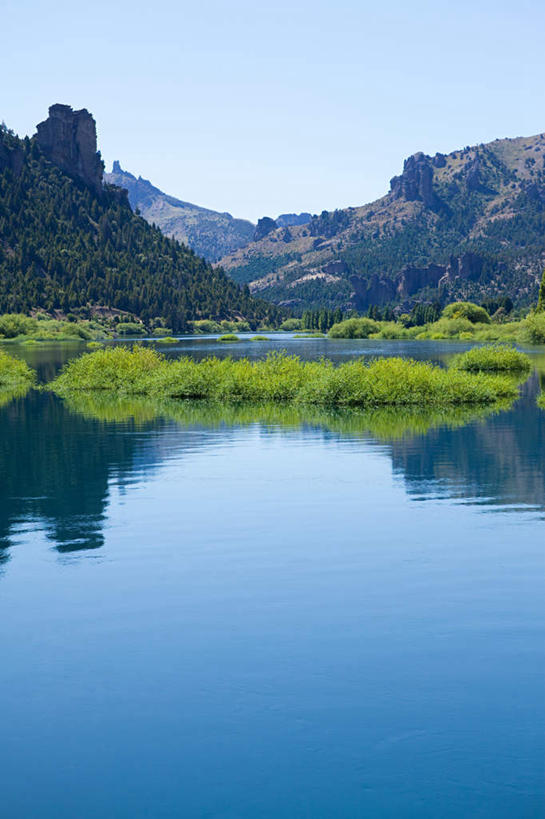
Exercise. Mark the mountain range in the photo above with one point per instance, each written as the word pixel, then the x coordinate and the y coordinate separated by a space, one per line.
pixel 467 225
pixel 69 242
pixel 209 233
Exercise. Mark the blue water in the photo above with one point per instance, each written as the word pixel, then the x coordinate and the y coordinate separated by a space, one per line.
pixel 285 618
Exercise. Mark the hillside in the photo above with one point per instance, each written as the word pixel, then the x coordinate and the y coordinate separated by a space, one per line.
pixel 468 225
pixel 207 232
pixel 67 241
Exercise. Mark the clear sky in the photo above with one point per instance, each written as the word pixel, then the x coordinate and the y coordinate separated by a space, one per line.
pixel 264 108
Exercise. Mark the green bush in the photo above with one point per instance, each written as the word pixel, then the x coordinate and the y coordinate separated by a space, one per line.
pixel 354 328
pixel 498 358
pixel 291 325
pixel 280 377
pixel 533 328
pixel 130 328
pixel 166 340
pixel 259 338
pixel 466 310
pixel 229 337
pixel 16 324
pixel 14 372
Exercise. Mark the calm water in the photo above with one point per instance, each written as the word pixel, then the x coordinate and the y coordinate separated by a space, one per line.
pixel 220 615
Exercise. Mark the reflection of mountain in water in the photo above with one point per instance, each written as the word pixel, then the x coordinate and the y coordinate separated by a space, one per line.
pixel 501 461
pixel 57 460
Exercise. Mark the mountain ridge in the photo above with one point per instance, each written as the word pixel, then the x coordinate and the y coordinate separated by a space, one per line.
pixel 469 224
pixel 68 242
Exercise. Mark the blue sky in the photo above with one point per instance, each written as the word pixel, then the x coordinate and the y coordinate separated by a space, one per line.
pixel 267 108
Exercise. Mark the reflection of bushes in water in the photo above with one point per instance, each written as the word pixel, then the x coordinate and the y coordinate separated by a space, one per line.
pixel 384 423
pixel 7 394
pixel 280 377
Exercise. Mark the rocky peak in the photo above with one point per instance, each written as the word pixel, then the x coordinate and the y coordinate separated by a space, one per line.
pixel 264 226
pixel 416 181
pixel 68 138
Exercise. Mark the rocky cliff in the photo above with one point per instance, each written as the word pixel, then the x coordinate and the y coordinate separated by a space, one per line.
pixel 468 225
pixel 68 138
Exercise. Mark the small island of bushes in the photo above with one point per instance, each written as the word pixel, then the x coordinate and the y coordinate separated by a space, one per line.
pixel 281 377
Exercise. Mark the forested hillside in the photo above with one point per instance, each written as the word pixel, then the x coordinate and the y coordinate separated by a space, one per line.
pixel 468 225
pixel 68 242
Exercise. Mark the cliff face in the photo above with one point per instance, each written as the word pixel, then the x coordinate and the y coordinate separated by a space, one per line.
pixel 68 138
pixel 465 225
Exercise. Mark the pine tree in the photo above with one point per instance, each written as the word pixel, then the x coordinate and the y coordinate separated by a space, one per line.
pixel 541 299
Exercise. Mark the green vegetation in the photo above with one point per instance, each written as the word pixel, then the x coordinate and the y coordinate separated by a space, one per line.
pixel 14 373
pixel 541 297
pixel 94 345
pixel 280 377
pixel 208 327
pixel 466 310
pixel 63 246
pixel 498 358
pixel 355 328
pixel 461 321
pixel 130 328
pixel 259 338
pixel 166 340
pixel 310 335
pixel 541 401
pixel 21 328
pixel 229 338
pixel 291 325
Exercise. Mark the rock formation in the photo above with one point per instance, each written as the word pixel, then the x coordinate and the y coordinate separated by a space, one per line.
pixel 68 138
pixel 416 181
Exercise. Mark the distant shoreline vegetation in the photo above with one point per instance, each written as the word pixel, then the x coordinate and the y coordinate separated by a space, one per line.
pixel 460 321
pixel 280 378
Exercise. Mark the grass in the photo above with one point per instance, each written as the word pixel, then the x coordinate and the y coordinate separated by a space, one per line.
pixel 229 338
pixel 541 401
pixel 259 338
pixel 166 340
pixel 281 378
pixel 497 358
pixel 310 335
pixel 14 373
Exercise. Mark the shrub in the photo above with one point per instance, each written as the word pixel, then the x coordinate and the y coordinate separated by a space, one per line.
pixel 280 377
pixel 16 324
pixel 130 328
pixel 291 325
pixel 229 337
pixel 259 338
pixel 354 328
pixel 14 372
pixel 533 328
pixel 467 310
pixel 499 358
pixel 166 340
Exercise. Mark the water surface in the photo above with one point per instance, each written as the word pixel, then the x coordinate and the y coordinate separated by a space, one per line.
pixel 270 615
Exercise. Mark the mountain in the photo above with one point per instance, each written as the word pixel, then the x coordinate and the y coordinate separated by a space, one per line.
pixel 68 241
pixel 467 225
pixel 207 232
